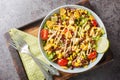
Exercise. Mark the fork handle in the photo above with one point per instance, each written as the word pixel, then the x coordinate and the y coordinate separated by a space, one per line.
pixel 51 69
pixel 47 75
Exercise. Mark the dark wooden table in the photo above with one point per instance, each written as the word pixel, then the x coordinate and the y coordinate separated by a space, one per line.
pixel 15 13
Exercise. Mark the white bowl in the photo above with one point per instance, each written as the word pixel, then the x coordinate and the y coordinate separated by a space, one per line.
pixel 75 70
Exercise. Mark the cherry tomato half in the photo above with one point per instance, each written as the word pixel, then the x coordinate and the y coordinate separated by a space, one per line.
pixel 92 55
pixel 94 22
pixel 44 34
pixel 63 62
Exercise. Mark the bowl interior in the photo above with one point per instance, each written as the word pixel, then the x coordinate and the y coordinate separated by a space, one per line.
pixel 75 70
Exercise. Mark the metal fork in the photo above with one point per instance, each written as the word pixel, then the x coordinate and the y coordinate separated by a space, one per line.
pixel 23 47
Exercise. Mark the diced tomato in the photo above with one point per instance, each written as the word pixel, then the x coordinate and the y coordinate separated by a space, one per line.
pixel 44 34
pixel 92 55
pixel 66 30
pixel 94 22
pixel 63 62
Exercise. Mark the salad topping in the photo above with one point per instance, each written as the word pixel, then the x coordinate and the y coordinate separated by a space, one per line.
pixel 70 37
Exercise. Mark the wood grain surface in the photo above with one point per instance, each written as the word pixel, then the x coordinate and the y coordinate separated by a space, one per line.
pixel 33 30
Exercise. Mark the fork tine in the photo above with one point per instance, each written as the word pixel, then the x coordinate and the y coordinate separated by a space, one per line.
pixel 16 41
pixel 19 40
pixel 12 44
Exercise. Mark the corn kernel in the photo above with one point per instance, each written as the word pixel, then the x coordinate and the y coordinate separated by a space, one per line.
pixel 67 17
pixel 71 57
pixel 82 34
pixel 63 53
pixel 64 16
pixel 68 34
pixel 54 45
pixel 85 66
pixel 91 17
pixel 59 55
pixel 51 40
pixel 71 22
pixel 78 61
pixel 68 58
pixel 64 67
pixel 62 11
pixel 82 57
pixel 57 52
pixel 81 10
pixel 77 64
pixel 77 50
pixel 76 14
pixel 72 27
pixel 75 47
pixel 85 47
pixel 49 24
pixel 49 52
pixel 85 11
pixel 74 54
pixel 82 46
pixel 55 14
pixel 64 23
pixel 47 47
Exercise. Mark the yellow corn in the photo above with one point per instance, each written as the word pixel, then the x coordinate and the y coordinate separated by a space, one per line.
pixel 51 41
pixel 81 10
pixel 82 34
pixel 71 21
pixel 82 46
pixel 72 27
pixel 68 58
pixel 85 66
pixel 49 52
pixel 85 47
pixel 48 46
pixel 67 17
pixel 85 11
pixel 78 61
pixel 49 24
pixel 64 16
pixel 57 52
pixel 54 45
pixel 91 17
pixel 64 67
pixel 77 64
pixel 64 23
pixel 62 11
pixel 71 58
pixel 69 13
pixel 74 54
pixel 59 55
pixel 55 14
pixel 82 57
pixel 77 50
pixel 76 14
pixel 68 34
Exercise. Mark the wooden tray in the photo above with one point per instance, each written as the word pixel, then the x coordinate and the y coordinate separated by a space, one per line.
pixel 32 29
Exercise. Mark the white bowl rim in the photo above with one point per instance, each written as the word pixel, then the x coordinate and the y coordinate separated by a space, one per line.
pixel 77 70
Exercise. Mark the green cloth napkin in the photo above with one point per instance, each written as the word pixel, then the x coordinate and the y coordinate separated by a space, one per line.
pixel 32 70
